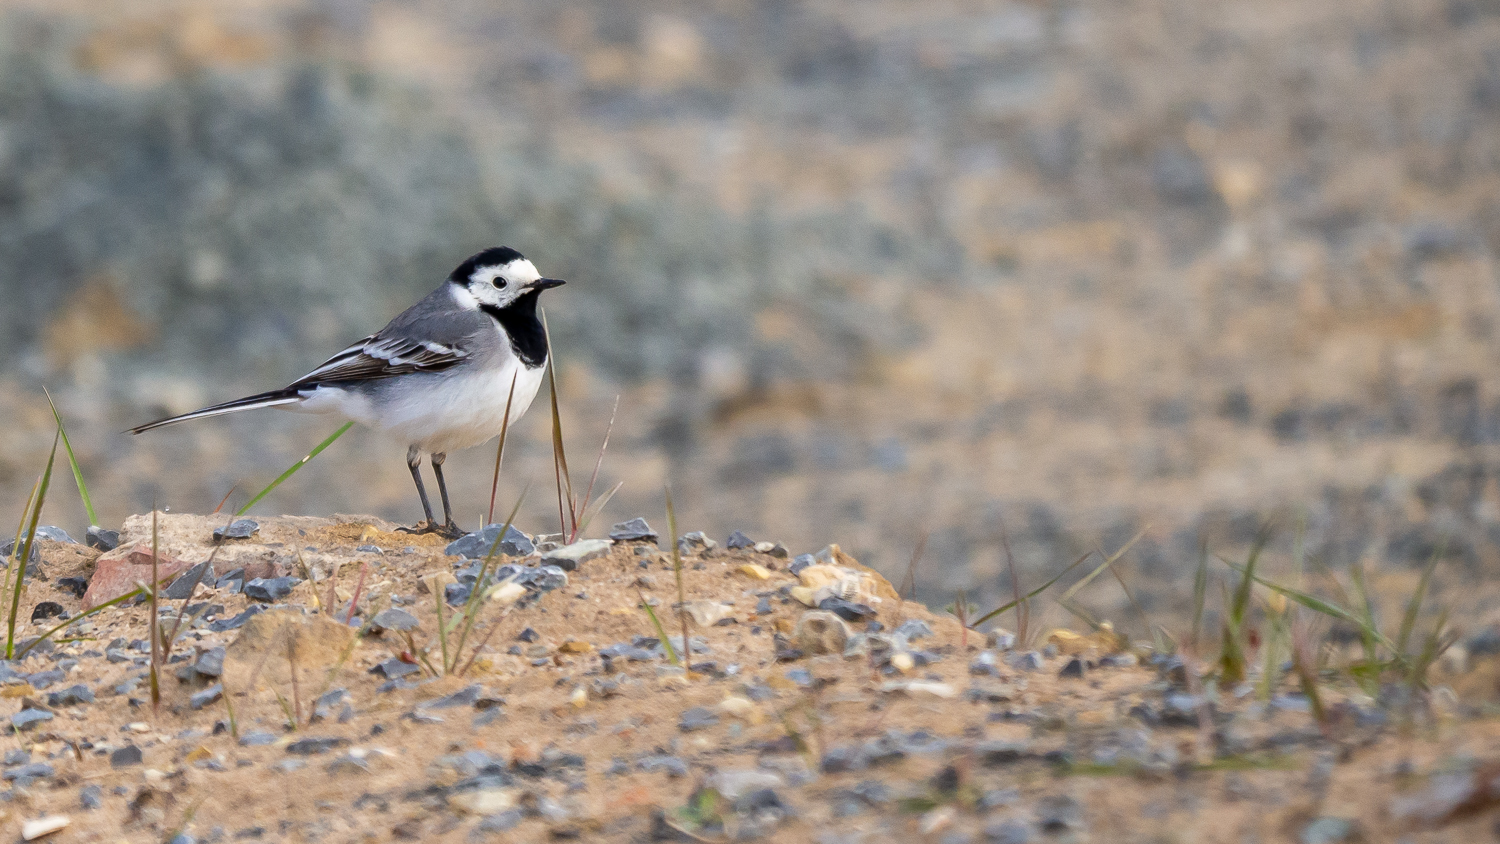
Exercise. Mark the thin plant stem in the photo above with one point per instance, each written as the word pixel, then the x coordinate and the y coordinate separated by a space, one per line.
pixel 83 488
pixel 500 450
pixel 25 556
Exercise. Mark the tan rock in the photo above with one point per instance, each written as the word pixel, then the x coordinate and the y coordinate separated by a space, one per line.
pixel 753 570
pixel 272 641
pixel 822 632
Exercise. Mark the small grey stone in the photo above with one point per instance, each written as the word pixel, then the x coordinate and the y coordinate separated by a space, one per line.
pixel 235 622
pixel 694 542
pixel 697 718
pixel 29 773
pixel 207 696
pixel 47 609
pixel 54 533
pixel 738 541
pixel 71 696
pixel 311 746
pixel 90 797
pixel 763 606
pixel 270 588
pixel 104 540
pixel 370 549
pixel 76 585
pixel 324 705
pixel 1059 813
pixel 672 765
pixel 570 557
pixel 257 738
pixel 391 618
pixel 28 718
pixel 286 766
pixel 528 635
pixel 635 530
pixel 394 668
pixel 46 679
pixel 847 610
pixel 1329 830
pixel 467 696
pixel 1073 670
pixel 18 756
pixel 800 562
pixel 237 529
pixel 914 629
pixel 182 588
pixel 210 663
pixel 125 757
pixel 477 545
pixel 1025 661
pixel 8 551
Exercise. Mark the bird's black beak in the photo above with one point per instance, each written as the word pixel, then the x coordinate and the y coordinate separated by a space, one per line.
pixel 544 283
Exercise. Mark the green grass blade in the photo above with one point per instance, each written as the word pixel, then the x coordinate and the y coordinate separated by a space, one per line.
pixel 1200 593
pixel 294 467
pixel 682 615
pixel 1108 561
pixel 83 488
pixel 1240 606
pixel 559 453
pixel 661 632
pixel 1032 594
pixel 36 515
pixel 1413 606
pixel 489 517
pixel 1318 605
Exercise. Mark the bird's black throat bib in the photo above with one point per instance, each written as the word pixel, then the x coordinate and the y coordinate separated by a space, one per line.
pixel 520 323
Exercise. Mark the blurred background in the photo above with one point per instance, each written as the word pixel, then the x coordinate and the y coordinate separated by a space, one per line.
pixel 1051 272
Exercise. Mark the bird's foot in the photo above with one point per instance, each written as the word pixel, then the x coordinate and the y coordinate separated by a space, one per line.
pixel 447 531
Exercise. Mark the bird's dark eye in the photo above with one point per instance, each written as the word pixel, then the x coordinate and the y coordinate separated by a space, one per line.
pixel 499 283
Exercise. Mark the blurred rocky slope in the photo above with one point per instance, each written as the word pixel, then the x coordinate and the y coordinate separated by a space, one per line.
pixel 1052 271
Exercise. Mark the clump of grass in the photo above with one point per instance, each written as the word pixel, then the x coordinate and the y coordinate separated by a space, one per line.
pixel 83 488
pixel 292 470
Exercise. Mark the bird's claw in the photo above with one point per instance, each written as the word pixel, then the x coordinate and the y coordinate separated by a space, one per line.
pixel 447 531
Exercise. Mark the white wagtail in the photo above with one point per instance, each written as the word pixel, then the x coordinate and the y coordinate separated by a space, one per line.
pixel 439 375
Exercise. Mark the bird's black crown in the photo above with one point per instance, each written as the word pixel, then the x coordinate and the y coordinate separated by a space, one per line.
pixel 495 256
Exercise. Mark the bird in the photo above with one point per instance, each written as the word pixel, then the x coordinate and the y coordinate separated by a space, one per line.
pixel 439 376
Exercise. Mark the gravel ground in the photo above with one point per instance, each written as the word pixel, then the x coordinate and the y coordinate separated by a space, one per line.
pixel 792 724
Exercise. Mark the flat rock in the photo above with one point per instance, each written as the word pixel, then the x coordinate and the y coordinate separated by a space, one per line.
pixel 738 540
pixel 635 530
pixel 237 529
pixel 570 557
pixel 117 572
pixel 26 719
pixel 392 618
pixel 477 545
pixel 183 587
pixel 104 540
pixel 207 696
pixel 269 588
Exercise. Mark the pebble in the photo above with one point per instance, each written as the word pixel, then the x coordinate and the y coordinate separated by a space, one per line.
pixel 394 668
pixel 391 618
pixel 46 610
pixel 183 587
pixel 800 562
pixel 237 529
pixel 235 622
pixel 315 745
pixel 210 663
pixel 847 610
pixel 90 797
pixel 774 549
pixel 270 588
pixel 257 738
pixel 1007 831
pixel 477 545
pixel 207 696
pixel 635 530
pixel 104 540
pixel 914 629
pixel 1073 670
pixel 1000 639
pixel 570 557
pixel 1058 814
pixel 71 696
pixel 821 632
pixel 763 606
pixel 502 822
pixel 1025 661
pixel 32 830
pixel 26 774
pixel 45 679
pixel 695 542
pixel 467 696
pixel 755 571
pixel 370 549
pixel 76 585
pixel 29 718
pixel 672 765
pixel 125 757
pixel 738 540
pixel 697 718
pixel 8 550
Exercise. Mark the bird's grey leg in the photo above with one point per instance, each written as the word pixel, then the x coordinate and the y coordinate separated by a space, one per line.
pixel 449 527
pixel 414 462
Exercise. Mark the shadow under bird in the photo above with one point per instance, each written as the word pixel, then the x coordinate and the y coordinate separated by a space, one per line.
pixel 439 375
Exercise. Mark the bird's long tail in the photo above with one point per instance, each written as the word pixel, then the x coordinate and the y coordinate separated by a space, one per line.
pixel 271 399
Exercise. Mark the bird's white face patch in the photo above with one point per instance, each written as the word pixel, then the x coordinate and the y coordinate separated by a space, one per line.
pixel 498 286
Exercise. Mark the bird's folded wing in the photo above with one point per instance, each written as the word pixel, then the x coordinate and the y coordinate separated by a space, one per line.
pixel 381 357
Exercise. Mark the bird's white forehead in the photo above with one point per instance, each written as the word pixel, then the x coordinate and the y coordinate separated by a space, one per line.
pixel 519 271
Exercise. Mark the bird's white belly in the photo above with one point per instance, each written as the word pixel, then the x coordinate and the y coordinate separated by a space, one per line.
pixel 447 413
